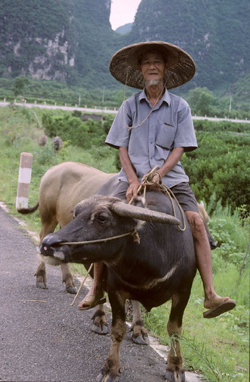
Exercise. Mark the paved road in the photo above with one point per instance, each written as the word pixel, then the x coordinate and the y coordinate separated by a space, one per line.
pixel 114 111
pixel 44 338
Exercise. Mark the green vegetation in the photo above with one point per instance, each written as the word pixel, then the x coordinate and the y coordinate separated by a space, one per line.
pixel 19 85
pixel 220 165
pixel 208 31
pixel 217 348
pixel 72 41
pixel 202 101
pixel 53 92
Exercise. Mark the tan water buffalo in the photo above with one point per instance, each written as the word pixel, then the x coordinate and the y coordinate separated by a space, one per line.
pixel 61 188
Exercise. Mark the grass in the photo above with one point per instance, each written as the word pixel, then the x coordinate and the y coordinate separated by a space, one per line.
pixel 218 348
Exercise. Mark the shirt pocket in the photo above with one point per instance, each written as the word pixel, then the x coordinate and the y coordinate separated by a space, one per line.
pixel 165 135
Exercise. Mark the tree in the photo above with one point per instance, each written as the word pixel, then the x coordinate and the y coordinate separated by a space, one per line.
pixel 199 100
pixel 120 97
pixel 19 84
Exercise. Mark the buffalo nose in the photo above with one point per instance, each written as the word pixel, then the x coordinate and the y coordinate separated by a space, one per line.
pixel 45 249
pixel 46 246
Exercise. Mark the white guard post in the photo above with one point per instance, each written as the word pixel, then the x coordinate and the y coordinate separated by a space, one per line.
pixel 24 180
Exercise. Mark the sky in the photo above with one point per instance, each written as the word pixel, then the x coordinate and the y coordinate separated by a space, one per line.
pixel 122 12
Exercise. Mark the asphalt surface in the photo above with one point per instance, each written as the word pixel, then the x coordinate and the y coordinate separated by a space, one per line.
pixel 104 110
pixel 42 337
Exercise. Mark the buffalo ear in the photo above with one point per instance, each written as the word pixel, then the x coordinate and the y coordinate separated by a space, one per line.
pixel 127 210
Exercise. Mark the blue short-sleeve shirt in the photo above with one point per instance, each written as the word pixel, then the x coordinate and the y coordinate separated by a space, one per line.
pixel 150 138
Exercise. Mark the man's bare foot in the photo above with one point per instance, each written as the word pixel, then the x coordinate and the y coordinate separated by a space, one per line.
pixel 92 299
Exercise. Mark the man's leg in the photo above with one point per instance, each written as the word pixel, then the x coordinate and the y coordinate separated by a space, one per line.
pixel 215 303
pixel 95 295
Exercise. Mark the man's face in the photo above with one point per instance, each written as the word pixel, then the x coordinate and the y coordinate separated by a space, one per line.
pixel 152 67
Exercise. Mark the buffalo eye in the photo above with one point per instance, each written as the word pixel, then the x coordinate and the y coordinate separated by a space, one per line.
pixel 101 218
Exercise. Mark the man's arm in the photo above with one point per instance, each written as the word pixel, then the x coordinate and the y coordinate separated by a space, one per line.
pixel 172 160
pixel 134 183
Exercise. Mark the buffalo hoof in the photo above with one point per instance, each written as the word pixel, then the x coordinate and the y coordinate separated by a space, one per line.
pixel 41 285
pixel 100 329
pixel 175 376
pixel 140 340
pixel 100 325
pixel 106 378
pixel 71 290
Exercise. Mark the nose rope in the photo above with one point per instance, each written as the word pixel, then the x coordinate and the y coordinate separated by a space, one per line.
pixel 133 233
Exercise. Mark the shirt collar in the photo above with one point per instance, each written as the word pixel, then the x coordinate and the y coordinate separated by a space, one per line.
pixel 165 98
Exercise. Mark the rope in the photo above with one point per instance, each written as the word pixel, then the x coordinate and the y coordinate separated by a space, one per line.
pixel 172 196
pixel 82 284
pixel 132 233
pixel 147 182
pixel 167 191
pixel 151 111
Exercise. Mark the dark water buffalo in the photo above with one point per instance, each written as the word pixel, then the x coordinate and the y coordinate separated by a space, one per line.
pixel 159 268
pixel 61 189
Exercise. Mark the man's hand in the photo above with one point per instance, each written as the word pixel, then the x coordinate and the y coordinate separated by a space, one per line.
pixel 132 190
pixel 156 179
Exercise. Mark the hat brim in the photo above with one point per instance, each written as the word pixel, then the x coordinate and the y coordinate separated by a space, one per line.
pixel 124 64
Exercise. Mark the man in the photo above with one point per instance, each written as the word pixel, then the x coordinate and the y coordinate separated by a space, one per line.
pixel 154 128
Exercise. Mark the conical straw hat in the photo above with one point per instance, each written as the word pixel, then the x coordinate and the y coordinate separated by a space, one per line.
pixel 124 64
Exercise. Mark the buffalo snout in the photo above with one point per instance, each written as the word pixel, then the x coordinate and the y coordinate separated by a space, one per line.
pixel 48 245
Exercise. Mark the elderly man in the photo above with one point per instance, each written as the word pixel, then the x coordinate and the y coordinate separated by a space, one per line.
pixel 154 128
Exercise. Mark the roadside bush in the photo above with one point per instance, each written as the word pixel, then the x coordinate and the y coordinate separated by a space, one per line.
pixel 205 125
pixel 220 166
pixel 67 128
pixel 71 128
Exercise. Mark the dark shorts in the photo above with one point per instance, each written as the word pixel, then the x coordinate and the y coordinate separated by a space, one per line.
pixel 182 192
pixel 185 197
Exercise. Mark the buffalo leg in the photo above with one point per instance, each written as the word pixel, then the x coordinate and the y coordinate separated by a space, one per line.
pixel 67 278
pixel 48 226
pixel 41 275
pixel 111 368
pixel 140 334
pixel 100 325
pixel 175 371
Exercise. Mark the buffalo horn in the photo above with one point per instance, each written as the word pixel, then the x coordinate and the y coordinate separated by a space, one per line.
pixel 145 214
